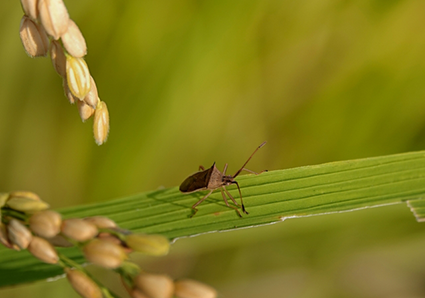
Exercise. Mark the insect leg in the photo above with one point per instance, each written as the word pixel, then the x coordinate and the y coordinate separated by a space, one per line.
pixel 199 202
pixel 243 169
pixel 240 194
pixel 232 198
pixel 227 203
pixel 224 170
pixel 201 168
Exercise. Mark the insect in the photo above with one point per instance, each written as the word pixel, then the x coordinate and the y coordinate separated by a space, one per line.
pixel 211 179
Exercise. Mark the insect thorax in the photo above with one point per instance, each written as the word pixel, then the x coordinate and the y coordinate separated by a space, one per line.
pixel 216 179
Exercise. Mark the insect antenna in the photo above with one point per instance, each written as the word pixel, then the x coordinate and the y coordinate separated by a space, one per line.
pixel 240 170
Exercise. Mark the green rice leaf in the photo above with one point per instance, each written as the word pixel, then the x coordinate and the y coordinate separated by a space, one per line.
pixel 270 197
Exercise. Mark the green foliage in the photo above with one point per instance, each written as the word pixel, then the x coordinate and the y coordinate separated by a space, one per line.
pixel 269 197
pixel 192 82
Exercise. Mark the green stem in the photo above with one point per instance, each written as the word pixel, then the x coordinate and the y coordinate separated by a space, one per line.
pixel 13 213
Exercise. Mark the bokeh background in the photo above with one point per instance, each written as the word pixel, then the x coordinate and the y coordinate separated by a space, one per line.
pixel 191 82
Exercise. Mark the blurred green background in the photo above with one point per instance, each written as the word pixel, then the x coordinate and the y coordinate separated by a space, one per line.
pixel 193 82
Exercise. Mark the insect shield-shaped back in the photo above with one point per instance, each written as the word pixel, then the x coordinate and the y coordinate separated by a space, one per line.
pixel 198 181
pixel 211 179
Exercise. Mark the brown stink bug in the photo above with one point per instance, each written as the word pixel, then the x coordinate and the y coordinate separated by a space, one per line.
pixel 211 179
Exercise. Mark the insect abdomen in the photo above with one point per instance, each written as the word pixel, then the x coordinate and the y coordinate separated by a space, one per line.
pixel 196 182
